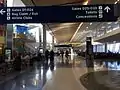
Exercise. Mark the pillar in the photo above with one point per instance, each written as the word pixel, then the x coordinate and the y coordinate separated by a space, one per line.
pixel 40 41
pixel 89 52
pixel 53 42
pixel 72 54
pixel 44 38
pixel 96 48
pixel 9 37
pixel 105 47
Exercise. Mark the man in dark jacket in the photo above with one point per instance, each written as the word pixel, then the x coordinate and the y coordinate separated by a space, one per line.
pixel 39 57
pixel 62 54
pixel 18 62
pixel 46 56
pixel 52 59
pixel 51 56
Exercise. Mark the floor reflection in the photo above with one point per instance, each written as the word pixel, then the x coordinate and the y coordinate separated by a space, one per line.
pixel 105 75
pixel 31 80
pixel 102 75
pixel 108 64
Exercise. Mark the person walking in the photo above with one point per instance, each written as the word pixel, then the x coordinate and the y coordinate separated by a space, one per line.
pixel 66 55
pixel 46 56
pixel 62 55
pixel 39 57
pixel 18 62
pixel 51 57
pixel 27 59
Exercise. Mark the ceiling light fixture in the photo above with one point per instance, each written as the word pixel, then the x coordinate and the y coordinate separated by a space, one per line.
pixel 109 22
pixel 85 3
pixel 116 2
pixel 87 27
pixel 90 23
pixel 109 26
pixel 103 26
pixel 116 22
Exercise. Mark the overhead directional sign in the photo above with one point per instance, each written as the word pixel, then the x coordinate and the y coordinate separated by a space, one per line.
pixel 51 14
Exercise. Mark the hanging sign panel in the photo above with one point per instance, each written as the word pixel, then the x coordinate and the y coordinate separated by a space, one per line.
pixel 52 14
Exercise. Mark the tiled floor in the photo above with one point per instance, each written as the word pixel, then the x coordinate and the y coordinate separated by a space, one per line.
pixel 32 79
pixel 72 75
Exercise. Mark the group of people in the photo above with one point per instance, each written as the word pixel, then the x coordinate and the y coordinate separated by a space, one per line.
pixel 29 58
pixel 21 58
pixel 49 55
pixel 65 53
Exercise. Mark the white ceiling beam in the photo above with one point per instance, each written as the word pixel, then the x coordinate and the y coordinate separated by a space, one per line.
pixel 85 3
pixel 76 32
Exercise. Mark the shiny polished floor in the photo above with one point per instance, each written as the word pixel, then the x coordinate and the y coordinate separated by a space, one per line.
pixel 68 75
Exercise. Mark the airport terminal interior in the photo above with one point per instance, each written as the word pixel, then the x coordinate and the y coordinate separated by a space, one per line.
pixel 59 56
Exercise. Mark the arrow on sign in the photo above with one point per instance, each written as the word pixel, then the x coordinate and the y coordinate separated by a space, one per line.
pixel 2 11
pixel 107 9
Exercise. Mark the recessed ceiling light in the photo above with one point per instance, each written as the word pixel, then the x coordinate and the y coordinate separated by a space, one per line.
pixel 116 22
pixel 85 3
pixel 109 22
pixel 90 23
pixel 116 2
pixel 109 26
pixel 86 27
pixel 103 26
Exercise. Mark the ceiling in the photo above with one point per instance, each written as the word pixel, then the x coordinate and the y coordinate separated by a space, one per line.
pixel 51 2
pixel 64 32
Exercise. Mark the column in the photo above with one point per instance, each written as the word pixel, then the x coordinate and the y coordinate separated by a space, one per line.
pixel 89 52
pixel 53 42
pixel 40 41
pixel 106 47
pixel 9 37
pixel 72 54
pixel 40 37
pixel 96 48
pixel 44 38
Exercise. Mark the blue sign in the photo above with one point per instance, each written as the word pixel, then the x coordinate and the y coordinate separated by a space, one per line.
pixel 21 29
